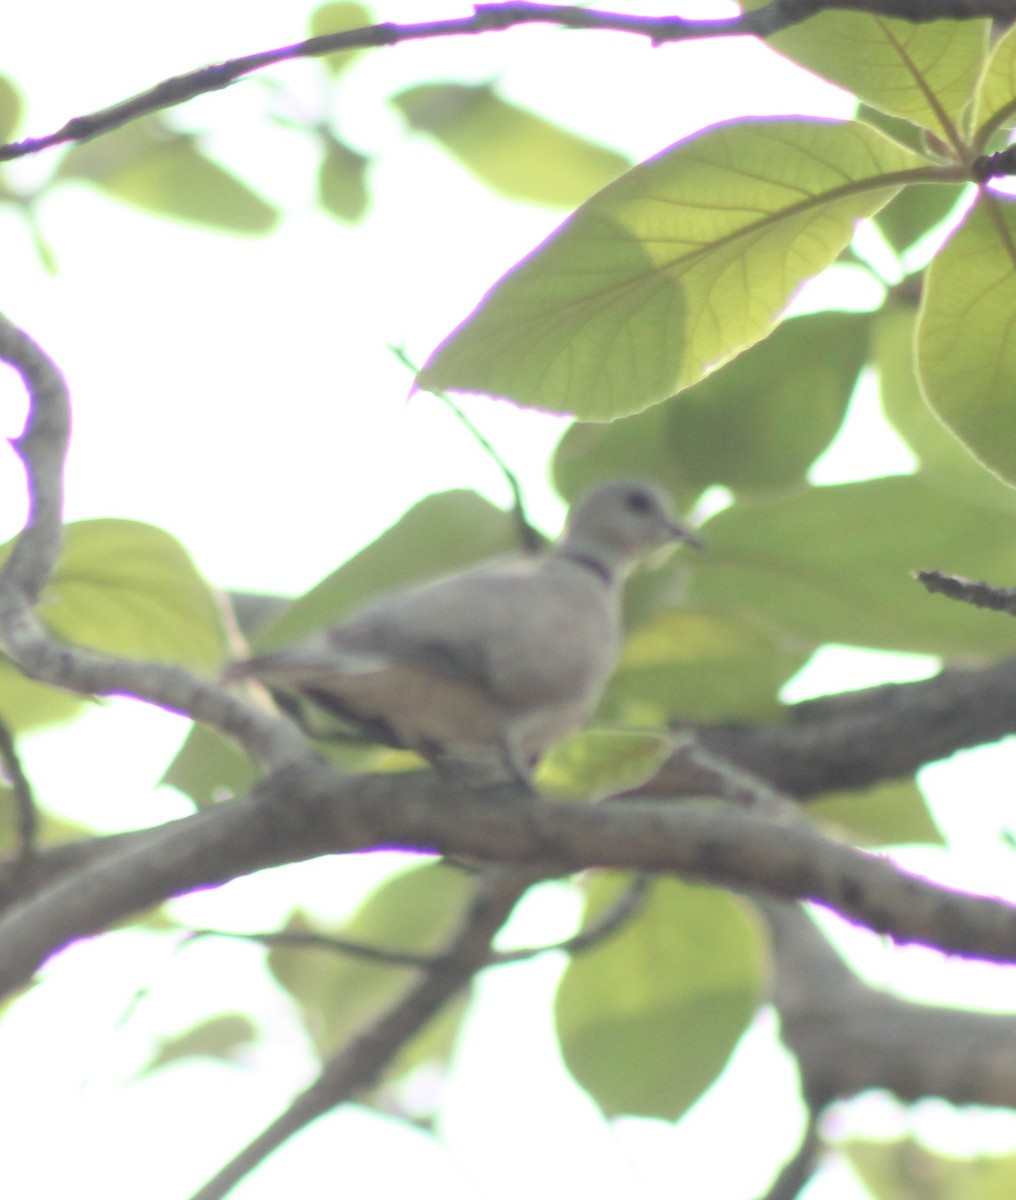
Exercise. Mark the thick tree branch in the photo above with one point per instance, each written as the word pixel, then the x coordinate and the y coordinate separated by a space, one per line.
pixel 362 1059
pixel 849 1037
pixel 306 810
pixel 489 18
pixel 856 739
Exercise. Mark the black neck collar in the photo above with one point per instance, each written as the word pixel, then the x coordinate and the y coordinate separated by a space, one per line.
pixel 598 568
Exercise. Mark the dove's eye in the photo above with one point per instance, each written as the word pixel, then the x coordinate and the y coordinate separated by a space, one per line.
pixel 638 502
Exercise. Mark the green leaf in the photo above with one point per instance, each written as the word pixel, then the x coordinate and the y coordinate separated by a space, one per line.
pixel 123 588
pixel 904 1170
pixel 996 97
pixel 915 212
pixel 946 462
pixel 602 762
pixel 677 266
pixel 756 424
pixel 510 149
pixel 966 338
pixel 834 564
pixel 11 107
pixel 442 534
pixel 337 18
pixel 891 814
pixel 342 187
pixel 925 73
pixel 648 1018
pixel 154 168
pixel 340 994
pixel 697 665
pixel 218 1037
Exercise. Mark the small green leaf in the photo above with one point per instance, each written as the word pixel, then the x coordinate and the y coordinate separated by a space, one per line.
pixel 602 762
pixel 218 1037
pixel 154 168
pixel 834 564
pixel 648 1018
pixel 966 339
pixel 510 149
pixel 342 187
pixel 442 534
pixel 756 424
pixel 123 588
pixel 996 96
pixel 925 73
pixel 11 106
pixel 209 767
pixel 905 1170
pixel 674 268
pixel 337 18
pixel 340 994
pixel 891 814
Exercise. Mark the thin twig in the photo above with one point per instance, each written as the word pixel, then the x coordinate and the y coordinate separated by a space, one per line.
pixel 24 798
pixel 969 591
pixel 362 1059
pixel 492 18
pixel 530 537
pixel 609 922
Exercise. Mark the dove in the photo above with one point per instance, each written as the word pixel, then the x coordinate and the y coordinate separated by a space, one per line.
pixel 483 670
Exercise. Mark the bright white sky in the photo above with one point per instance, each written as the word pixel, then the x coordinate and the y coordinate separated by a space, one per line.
pixel 240 393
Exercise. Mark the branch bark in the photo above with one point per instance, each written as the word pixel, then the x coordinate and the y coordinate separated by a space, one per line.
pixel 494 18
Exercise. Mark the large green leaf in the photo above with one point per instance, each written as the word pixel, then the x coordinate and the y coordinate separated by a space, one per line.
pixel 996 97
pixel 340 994
pixel 676 267
pixel 966 340
pixel 126 589
pixel 891 814
pixel 756 424
pixel 925 73
pixel 946 462
pixel 510 149
pixel 648 1018
pixel 691 664
pixel 834 564
pixel 155 168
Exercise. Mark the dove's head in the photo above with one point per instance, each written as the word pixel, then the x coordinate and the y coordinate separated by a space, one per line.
pixel 619 522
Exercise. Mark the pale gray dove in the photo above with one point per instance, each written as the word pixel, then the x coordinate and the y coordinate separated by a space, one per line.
pixel 491 666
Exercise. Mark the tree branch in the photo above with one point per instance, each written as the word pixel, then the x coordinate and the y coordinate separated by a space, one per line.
pixel 307 810
pixel 490 18
pixel 362 1059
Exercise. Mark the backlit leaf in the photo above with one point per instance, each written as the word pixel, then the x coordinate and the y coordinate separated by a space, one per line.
pixel 157 169
pixel 648 1018
pixel 674 268
pixel 966 339
pixel 510 149
pixel 924 72
pixel 834 564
